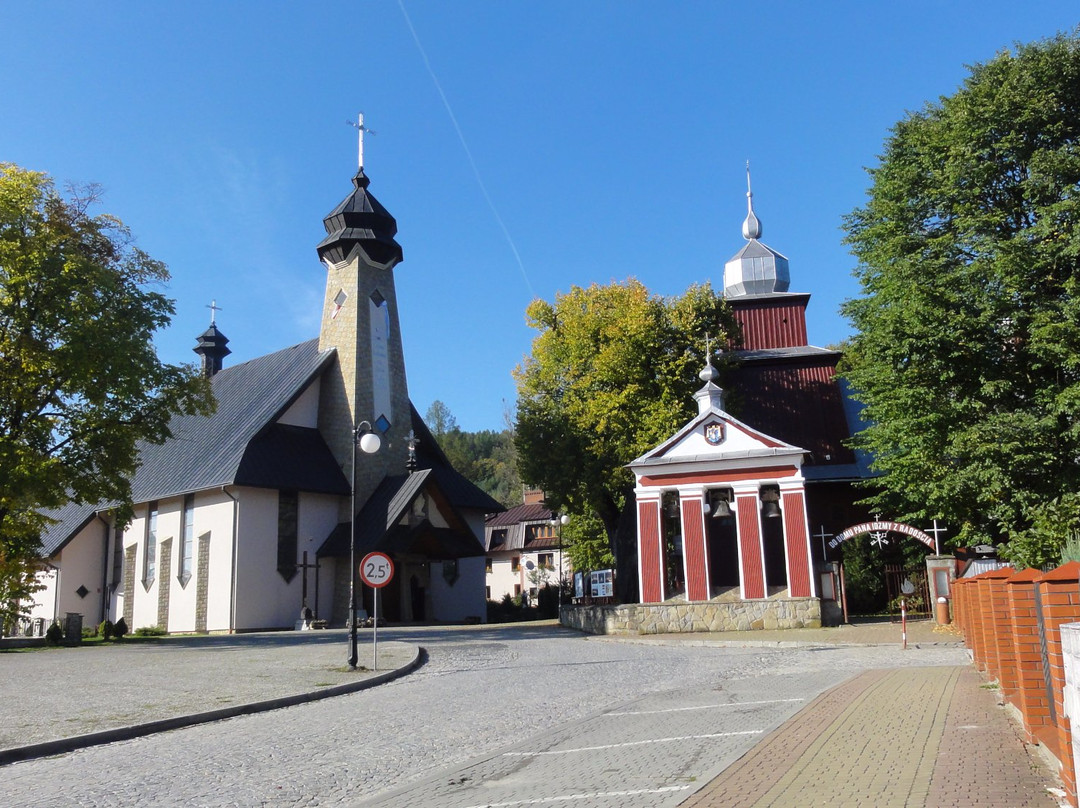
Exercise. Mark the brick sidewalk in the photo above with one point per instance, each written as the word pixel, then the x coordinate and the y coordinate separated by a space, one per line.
pixel 900 737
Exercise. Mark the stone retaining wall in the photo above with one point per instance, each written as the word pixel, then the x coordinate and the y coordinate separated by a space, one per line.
pixel 679 618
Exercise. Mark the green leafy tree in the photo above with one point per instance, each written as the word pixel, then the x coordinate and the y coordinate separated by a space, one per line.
pixel 81 381
pixel 611 374
pixel 486 458
pixel 439 419
pixel 586 544
pixel 967 348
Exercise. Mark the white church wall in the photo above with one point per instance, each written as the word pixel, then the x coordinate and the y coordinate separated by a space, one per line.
pixel 327 575
pixel 305 410
pixel 170 516
pixel 183 598
pixel 258 584
pixel 144 605
pixel 263 597
pixel 214 515
pixel 463 600
pixel 44 603
pixel 81 566
pixel 319 514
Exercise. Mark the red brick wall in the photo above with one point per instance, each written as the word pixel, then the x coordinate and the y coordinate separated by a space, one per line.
pixel 999 614
pixel 1060 593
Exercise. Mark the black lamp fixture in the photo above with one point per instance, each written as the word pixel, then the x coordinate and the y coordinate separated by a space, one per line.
pixel 720 504
pixel 369 443
pixel 770 502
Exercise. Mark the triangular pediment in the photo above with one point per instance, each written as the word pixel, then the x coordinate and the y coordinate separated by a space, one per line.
pixel 715 436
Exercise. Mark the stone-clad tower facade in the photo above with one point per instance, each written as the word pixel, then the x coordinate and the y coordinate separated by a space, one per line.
pixel 360 321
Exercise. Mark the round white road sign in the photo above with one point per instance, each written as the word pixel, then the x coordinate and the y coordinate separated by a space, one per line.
pixel 376 569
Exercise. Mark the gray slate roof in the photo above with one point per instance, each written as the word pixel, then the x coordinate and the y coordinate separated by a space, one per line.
pixel 207 452
pixel 238 445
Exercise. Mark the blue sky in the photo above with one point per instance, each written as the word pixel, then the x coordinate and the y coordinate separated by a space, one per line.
pixel 607 140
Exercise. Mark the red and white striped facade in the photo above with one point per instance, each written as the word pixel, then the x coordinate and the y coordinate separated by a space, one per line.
pixel 740 462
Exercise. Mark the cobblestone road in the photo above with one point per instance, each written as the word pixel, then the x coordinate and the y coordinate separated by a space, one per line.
pixel 497 716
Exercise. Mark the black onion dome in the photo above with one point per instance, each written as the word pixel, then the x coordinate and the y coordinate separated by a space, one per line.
pixel 360 220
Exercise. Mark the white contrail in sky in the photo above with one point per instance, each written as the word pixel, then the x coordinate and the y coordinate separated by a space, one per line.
pixel 468 152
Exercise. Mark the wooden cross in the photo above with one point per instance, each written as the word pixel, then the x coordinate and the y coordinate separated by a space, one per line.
pixel 304 567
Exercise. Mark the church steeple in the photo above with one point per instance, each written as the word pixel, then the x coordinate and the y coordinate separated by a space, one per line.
pixel 212 345
pixel 360 222
pixel 360 324
pixel 756 269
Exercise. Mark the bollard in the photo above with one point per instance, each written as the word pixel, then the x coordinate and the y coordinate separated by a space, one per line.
pixel 942 612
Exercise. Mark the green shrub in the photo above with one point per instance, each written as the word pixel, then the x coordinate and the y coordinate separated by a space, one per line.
pixel 106 630
pixel 55 633
pixel 150 631
pixel 120 628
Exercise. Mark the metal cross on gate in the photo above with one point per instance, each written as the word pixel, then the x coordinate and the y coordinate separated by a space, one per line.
pixel 937 539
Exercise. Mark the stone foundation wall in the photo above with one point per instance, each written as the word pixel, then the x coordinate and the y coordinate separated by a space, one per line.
pixel 680 618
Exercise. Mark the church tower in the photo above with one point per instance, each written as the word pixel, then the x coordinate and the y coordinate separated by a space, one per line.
pixel 360 321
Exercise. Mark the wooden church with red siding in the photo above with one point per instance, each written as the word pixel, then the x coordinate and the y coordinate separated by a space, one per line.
pixel 732 507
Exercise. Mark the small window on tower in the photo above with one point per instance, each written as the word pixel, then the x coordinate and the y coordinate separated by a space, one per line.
pixel 339 301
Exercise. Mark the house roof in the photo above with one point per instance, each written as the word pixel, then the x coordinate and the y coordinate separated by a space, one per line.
pixel 535 512
pixel 458 489
pixel 211 451
pixel 64 523
pixel 379 523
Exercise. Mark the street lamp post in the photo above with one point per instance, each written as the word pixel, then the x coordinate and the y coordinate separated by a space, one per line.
pixel 369 443
pixel 558 522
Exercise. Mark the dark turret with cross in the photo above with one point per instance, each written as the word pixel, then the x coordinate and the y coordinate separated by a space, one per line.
pixel 212 344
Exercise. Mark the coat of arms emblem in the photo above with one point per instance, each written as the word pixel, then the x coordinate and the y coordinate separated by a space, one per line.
pixel 714 434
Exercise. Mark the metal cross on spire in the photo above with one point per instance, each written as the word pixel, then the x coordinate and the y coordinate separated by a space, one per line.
pixel 411 440
pixel 214 309
pixel 358 125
